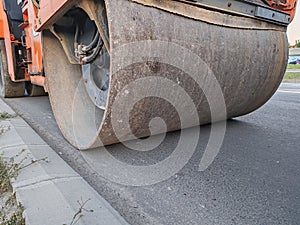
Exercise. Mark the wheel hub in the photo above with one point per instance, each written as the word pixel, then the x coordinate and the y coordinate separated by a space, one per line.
pixel 96 78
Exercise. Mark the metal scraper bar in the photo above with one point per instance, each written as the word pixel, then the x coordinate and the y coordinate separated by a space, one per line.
pixel 244 8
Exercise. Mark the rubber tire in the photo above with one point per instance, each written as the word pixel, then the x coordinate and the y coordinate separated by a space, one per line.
pixel 34 90
pixel 8 88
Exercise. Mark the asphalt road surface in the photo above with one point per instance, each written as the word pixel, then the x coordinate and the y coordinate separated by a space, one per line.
pixel 254 179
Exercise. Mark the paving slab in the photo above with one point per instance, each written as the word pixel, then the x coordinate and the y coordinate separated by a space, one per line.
pixel 48 188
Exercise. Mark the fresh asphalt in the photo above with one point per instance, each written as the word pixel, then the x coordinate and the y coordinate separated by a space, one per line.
pixel 255 178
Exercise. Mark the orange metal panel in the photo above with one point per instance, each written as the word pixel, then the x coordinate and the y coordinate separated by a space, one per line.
pixel 33 43
pixel 33 39
pixel 1 24
pixel 38 80
pixel 5 33
pixel 51 10
pixel 288 6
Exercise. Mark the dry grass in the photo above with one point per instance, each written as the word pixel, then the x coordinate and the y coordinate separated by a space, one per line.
pixel 292 76
pixel 293 66
pixel 11 213
pixel 6 115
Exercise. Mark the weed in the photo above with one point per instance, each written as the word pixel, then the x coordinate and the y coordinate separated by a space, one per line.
pixel 292 75
pixel 79 214
pixel 3 129
pixel 11 212
pixel 15 218
pixel 6 115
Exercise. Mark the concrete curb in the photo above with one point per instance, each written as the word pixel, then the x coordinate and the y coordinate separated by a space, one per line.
pixel 50 190
pixel 291 81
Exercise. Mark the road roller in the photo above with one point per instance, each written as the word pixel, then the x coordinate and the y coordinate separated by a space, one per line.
pixel 117 70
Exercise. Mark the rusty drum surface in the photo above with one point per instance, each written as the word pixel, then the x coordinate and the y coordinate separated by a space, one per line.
pixel 185 70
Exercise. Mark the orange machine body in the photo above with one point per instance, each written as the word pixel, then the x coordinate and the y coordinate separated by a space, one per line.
pixel 33 41
pixel 50 10
pixel 9 39
pixel 33 64
pixel 288 6
pixel 37 18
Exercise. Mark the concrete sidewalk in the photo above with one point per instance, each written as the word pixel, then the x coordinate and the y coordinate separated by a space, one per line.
pixel 293 70
pixel 49 189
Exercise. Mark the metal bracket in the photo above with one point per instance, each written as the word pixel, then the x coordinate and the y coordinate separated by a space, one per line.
pixel 245 8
